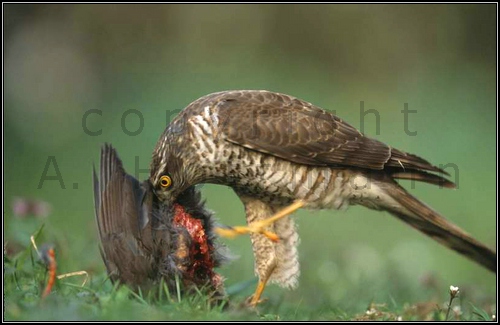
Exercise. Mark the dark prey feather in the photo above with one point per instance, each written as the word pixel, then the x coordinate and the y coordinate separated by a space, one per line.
pixel 139 242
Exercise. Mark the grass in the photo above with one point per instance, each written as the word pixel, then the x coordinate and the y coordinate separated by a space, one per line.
pixel 73 298
pixel 351 262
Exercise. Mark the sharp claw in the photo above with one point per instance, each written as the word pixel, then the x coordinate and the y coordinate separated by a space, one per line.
pixel 249 302
pixel 235 231
pixel 226 232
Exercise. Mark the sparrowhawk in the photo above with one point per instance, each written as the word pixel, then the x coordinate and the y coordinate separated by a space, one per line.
pixel 280 153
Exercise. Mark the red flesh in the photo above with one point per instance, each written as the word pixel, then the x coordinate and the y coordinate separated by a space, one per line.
pixel 200 249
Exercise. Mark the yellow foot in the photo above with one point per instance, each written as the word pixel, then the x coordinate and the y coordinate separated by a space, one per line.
pixel 258 226
pixel 252 228
pixel 252 303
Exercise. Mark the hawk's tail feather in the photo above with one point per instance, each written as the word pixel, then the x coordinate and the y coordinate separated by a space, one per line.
pixel 422 176
pixel 423 218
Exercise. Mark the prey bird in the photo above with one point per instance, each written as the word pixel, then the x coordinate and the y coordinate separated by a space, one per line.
pixel 279 154
pixel 144 241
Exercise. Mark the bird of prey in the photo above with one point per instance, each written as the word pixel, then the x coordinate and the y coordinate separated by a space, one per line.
pixel 144 241
pixel 279 154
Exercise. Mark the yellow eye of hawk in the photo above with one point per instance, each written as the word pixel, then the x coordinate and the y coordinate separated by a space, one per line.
pixel 165 181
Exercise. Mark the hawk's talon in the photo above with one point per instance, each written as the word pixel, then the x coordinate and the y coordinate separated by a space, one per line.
pixel 236 231
pixel 226 232
pixel 258 226
pixel 250 302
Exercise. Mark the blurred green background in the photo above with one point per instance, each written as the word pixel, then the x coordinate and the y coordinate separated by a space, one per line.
pixel 63 60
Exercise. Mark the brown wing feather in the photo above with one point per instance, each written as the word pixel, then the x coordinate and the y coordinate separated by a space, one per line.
pixel 126 250
pixel 300 132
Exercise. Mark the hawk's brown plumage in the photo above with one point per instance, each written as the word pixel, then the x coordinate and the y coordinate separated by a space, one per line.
pixel 300 132
pixel 274 149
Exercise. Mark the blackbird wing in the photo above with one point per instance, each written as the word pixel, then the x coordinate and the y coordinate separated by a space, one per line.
pixel 126 244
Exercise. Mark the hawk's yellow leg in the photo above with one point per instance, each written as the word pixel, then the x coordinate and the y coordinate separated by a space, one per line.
pixel 258 226
pixel 258 293
pixel 254 299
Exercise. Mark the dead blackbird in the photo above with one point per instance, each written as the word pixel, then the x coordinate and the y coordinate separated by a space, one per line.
pixel 144 240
